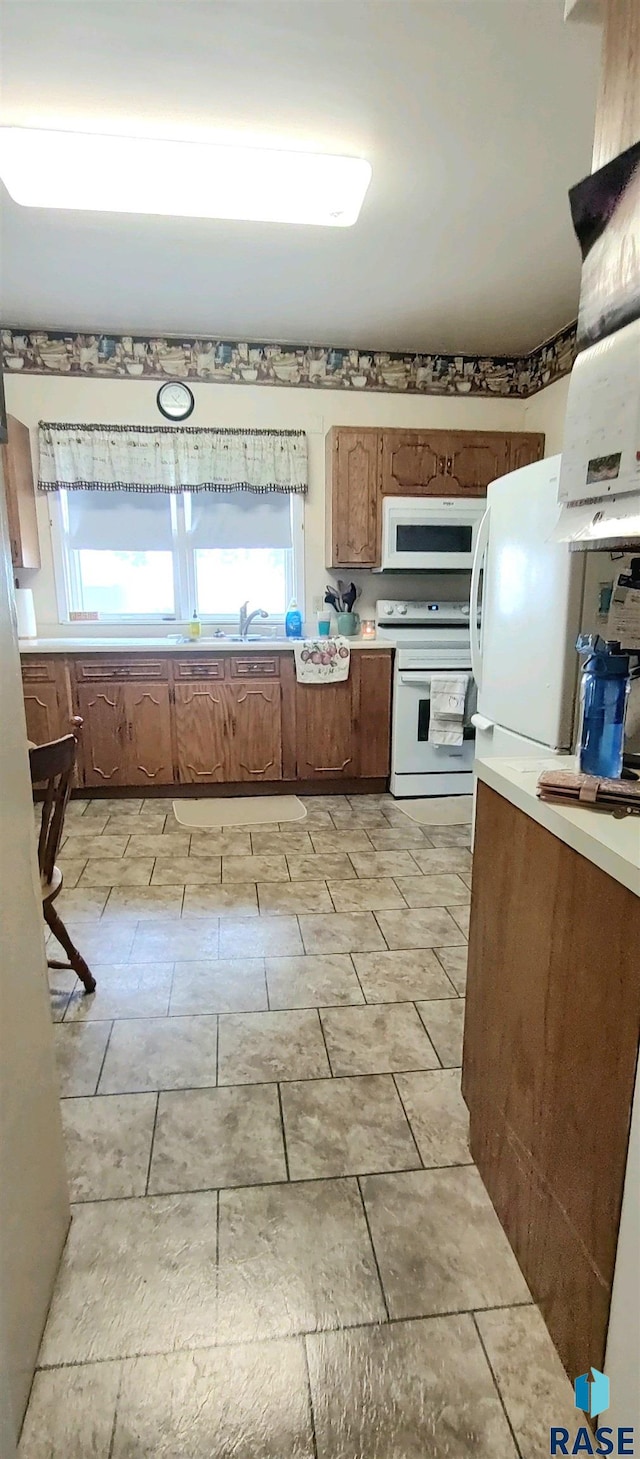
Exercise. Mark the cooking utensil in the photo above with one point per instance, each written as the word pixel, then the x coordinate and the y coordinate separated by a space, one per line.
pixel 349 597
pixel 331 597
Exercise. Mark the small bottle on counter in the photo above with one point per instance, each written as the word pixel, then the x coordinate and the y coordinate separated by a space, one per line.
pixel 195 626
pixel 293 621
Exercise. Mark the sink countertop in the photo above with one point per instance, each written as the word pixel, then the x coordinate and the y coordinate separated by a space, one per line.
pixel 166 645
pixel 611 844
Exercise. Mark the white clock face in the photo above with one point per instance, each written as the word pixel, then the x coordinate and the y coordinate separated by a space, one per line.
pixel 175 400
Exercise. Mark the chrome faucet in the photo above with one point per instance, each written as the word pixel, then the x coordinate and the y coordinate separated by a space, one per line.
pixel 246 619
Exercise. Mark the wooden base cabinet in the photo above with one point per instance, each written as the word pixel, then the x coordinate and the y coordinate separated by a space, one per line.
pixel 47 698
pixel 126 734
pixel 228 732
pixel 550 1049
pixel 343 730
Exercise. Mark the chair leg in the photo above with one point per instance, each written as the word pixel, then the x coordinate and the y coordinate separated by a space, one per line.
pixel 76 961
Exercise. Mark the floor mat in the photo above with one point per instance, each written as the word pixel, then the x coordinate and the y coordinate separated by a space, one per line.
pixel 452 810
pixel 238 810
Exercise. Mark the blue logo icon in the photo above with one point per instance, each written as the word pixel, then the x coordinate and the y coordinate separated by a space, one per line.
pixel 592 1394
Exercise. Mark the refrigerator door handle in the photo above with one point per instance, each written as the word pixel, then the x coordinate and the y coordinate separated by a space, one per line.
pixel 482 541
pixel 480 722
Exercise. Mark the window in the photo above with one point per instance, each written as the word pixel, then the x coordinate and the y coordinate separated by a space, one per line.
pixel 135 555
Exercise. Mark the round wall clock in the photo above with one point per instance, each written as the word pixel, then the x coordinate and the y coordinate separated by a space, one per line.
pixel 175 400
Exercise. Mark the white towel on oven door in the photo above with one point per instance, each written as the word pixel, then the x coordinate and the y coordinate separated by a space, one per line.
pixel 448 700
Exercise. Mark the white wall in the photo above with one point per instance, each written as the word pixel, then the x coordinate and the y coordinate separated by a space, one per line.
pixel 33 397
pixel 546 412
pixel 34 1205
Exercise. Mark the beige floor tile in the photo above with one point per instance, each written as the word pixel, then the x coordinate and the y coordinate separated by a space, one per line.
pixel 186 871
pixel 137 904
pixel 399 838
pixel 314 820
pixel 443 859
pixel 439 1243
pixel 276 898
pixel 116 805
pixel 254 868
pixel 461 915
pixel 341 932
pixel 312 982
pixel 125 990
pixel 279 843
pixel 433 891
pixel 125 872
pixel 238 899
pixel 108 1144
pixel 250 1402
pixel 419 928
pixel 378 1038
pixel 413 1389
pixel 383 863
pixel 366 820
pixel 260 937
pixel 534 1386
pixel 135 1277
pixel 366 894
pixel 159 1053
pixel 100 941
pixel 80 844
pixel 346 1127
pixel 119 825
pixel 324 803
pixel 180 941
pixel 220 843
pixel 438 1115
pixel 62 983
pixel 327 843
pixel 219 986
pixel 295 1258
pixel 82 904
pixel 454 962
pixel 467 878
pixel 72 869
pixel 444 1022
pixel 71 1413
pixel 206 1138
pixel 154 805
pixel 82 826
pixel 400 977
pixel 79 1050
pixel 320 867
pixel 156 845
pixel 259 1048
pixel 76 807
pixel 450 836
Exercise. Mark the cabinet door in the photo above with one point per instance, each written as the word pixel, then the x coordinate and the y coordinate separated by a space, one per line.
pixel 17 470
pixel 202 732
pixel 474 460
pixel 255 742
pixel 373 719
pixel 148 729
pixel 42 713
pixel 327 735
pixel 414 463
pixel 525 448
pixel 354 467
pixel 103 743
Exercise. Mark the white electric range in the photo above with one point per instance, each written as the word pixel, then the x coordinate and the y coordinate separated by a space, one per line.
pixel 428 636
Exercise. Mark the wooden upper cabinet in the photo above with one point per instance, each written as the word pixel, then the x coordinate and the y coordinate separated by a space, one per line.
pixel 255 739
pixel 525 447
pixel 19 488
pixel 474 459
pixel 202 732
pixel 353 498
pixel 414 463
pixel 148 727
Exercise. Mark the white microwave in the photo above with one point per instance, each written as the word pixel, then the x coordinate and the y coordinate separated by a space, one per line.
pixel 433 533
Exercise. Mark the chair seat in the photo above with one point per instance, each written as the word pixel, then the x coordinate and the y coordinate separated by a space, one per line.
pixel 50 889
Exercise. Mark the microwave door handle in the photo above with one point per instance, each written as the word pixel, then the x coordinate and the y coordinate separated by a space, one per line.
pixel 479 560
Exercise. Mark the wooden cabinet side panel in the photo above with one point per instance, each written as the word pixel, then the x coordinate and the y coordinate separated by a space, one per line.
pixel 202 732
pixel 148 719
pixel 17 468
pixel 103 744
pixel 374 716
pixel 288 716
pixel 255 742
pixel 551 1040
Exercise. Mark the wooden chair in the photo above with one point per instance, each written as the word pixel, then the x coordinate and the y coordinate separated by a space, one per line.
pixel 53 765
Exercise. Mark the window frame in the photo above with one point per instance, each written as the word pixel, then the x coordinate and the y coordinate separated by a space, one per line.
pixel 67 584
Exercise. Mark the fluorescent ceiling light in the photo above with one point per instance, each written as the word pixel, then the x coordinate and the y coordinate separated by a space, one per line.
pixel 45 169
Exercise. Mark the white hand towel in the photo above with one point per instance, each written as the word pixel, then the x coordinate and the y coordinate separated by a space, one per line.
pixel 448 699
pixel 322 660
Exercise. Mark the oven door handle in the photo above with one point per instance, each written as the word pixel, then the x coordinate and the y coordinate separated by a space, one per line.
pixel 414 678
pixel 479 565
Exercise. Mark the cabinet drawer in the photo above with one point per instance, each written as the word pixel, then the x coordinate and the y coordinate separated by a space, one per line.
pixel 91 671
pixel 198 668
pixel 38 671
pixel 256 666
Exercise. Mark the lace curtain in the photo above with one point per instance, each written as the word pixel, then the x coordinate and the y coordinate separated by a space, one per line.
pixel 170 459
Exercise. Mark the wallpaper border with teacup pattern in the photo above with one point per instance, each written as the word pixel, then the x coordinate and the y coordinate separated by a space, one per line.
pixel 211 361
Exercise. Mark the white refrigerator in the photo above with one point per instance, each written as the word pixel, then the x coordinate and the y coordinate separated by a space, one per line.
pixel 530 597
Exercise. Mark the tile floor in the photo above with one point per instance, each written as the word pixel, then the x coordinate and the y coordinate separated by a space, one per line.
pixel 280 1246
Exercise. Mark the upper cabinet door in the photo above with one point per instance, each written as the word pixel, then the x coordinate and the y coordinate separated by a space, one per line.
pixel 414 463
pixel 474 459
pixel 525 447
pixel 353 469
pixel 148 718
pixel 20 495
pixel 255 741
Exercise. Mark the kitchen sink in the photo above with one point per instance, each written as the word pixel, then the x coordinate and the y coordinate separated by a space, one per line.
pixel 211 640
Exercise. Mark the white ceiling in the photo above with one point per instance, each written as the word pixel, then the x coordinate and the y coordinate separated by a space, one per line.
pixel 476 115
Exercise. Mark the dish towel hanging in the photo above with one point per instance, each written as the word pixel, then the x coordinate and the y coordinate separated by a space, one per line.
pixel 448 699
pixel 322 660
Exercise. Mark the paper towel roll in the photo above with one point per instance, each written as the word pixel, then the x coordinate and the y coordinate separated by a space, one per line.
pixel 25 613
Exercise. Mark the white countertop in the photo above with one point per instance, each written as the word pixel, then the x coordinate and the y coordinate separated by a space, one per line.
pixel 167 645
pixel 611 844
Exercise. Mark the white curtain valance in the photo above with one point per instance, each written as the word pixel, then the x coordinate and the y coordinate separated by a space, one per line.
pixel 170 458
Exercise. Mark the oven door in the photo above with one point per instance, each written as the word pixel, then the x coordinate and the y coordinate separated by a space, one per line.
pixel 412 754
pixel 438 534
